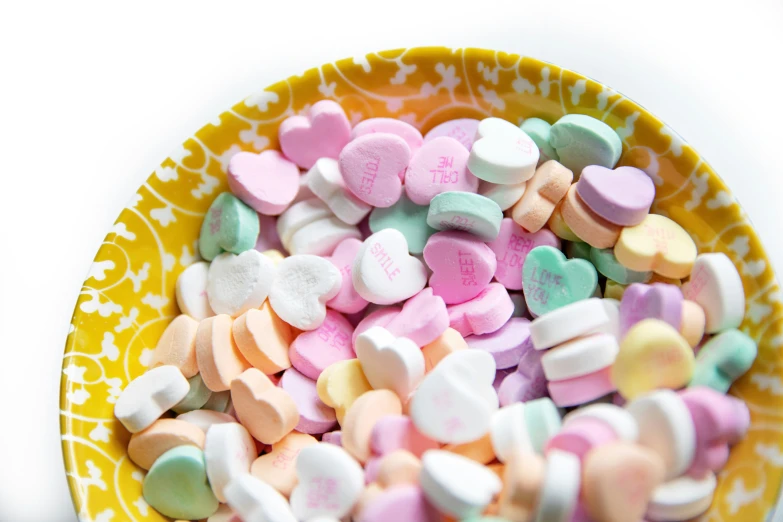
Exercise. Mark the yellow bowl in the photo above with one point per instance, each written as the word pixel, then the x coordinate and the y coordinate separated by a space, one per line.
pixel 128 299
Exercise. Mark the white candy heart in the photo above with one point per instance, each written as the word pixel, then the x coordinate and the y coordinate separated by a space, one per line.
pixel 150 395
pixel 256 501
pixel 321 237
pixel 568 322
pixel 192 291
pixel 621 422
pixel 383 271
pixel 716 286
pixel 509 431
pixel 204 419
pixel 560 491
pixel 238 283
pixel 302 286
pixel 229 450
pixel 455 402
pixel 389 362
pixel 330 482
pixel 299 215
pixel 502 153
pixel 326 182
pixel 457 485
pixel 580 356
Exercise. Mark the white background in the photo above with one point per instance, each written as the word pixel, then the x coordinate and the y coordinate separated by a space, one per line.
pixel 94 94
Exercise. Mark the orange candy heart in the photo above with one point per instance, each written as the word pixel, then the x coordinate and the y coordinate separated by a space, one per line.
pixel 268 412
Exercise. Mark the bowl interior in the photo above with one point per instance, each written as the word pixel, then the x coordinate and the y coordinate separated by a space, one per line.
pixel 128 298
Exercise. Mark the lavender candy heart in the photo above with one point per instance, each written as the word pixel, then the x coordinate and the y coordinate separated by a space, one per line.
pixel 657 301
pixel 528 382
pixel 315 417
pixel 621 196
pixel 333 437
pixel 505 345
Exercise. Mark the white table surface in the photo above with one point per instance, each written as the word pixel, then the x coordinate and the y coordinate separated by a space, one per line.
pixel 94 94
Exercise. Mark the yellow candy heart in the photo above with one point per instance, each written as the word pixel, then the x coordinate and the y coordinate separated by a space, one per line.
pixel 340 384
pixel 656 244
pixel 275 255
pixel 652 355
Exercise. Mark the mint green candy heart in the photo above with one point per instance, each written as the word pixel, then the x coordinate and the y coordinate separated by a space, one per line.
pixel 724 359
pixel 407 217
pixel 176 485
pixel 581 141
pixel 543 420
pixel 197 396
pixel 467 212
pixel 578 250
pixel 550 282
pixel 539 131
pixel 606 263
pixel 229 226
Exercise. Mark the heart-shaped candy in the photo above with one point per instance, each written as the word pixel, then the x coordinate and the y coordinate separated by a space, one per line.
pixel 683 498
pixel 549 281
pixel 407 217
pixel 439 166
pixel 502 153
pixel 361 418
pixel 229 226
pixel 506 345
pixel 390 362
pixel 656 301
pixel 253 499
pixel 724 359
pixel 330 482
pixel 148 396
pixel 380 317
pixel 312 352
pixel 371 166
pixel 404 130
pixel 301 288
pixel 512 246
pixel 146 446
pixel 448 342
pixel 341 384
pixel 483 314
pixel 506 196
pixel 347 300
pixel 463 130
pixel 467 212
pixel 585 224
pixel 397 432
pixel 326 182
pixel 607 265
pixel 177 346
pixel 621 196
pixel 229 451
pixel 401 502
pixel 321 133
pixel 278 467
pixel 716 286
pixel 192 291
pixel 383 271
pixel 658 244
pixel 268 412
pixel 176 485
pixel 315 417
pixel 462 265
pixel 423 318
pixel 219 359
pixel 264 338
pixel 539 131
pixel 582 140
pixel 267 182
pixel 544 191
pixel 238 283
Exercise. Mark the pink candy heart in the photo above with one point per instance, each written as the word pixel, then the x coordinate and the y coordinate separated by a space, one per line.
pixel 423 318
pixel 380 317
pixel 441 165
pixel 311 352
pixel 658 301
pixel 266 182
pixel 621 196
pixel 395 432
pixel 404 130
pixel 322 133
pixel 347 300
pixel 485 313
pixel 315 417
pixel 463 130
pixel 462 265
pixel 371 166
pixel 511 248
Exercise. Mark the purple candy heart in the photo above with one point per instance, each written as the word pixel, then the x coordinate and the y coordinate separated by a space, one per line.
pixel 315 417
pixel 621 196
pixel 528 382
pixel 505 345
pixel 656 301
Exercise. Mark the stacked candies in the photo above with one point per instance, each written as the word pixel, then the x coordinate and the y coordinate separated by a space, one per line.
pixel 420 357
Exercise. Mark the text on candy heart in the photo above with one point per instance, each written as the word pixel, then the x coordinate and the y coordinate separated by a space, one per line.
pixel 441 174
pixel 331 333
pixel 368 175
pixel 466 269
pixel 385 260
pixel 214 220
pixel 322 492
pixel 285 458
pixel 544 285
pixel 519 247
pixel 661 237
pixel 697 282
pixel 458 223
pixel 461 135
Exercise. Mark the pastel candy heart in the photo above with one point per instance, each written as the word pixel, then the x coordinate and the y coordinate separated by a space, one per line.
pixel 267 234
pixel 341 384
pixel 423 318
pixel 192 291
pixel 585 224
pixel 397 432
pixel 402 502
pixel 326 182
pixel 521 387
pixel 621 196
pixel 197 396
pixel 463 130
pixel 347 300
pixel 467 212
pixel 581 140
pixel 404 130
pixel 229 451
pixel 263 339
pixel 407 217
pixel 301 288
pixel 312 352
pixel 544 191
pixel 502 153
pixel 657 301
pixel 229 226
pixel 148 396
pixel 361 417
pixel 298 216
pixel 177 346
pixel 321 133
pixel 716 286
pixel 390 362
pixel 380 317
pixel 268 412
pixel 539 131
pixel 724 359
pixel 506 196
pixel 176 485
pixel 266 182
pixel 658 244
pixel 254 499
pixel 485 313
pixel 383 271
pixel 146 446
pixel 238 283
pixel 462 265
pixel 439 166
pixel 549 281
pixel 506 345
pixel 512 246
pixel 448 342
pixel 683 498
pixel 315 417
pixel 371 166
pixel 278 467
pixel 558 225
pixel 607 265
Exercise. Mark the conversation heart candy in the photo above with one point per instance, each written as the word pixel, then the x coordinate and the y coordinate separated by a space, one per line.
pixel 341 384
pixel 407 217
pixel 254 499
pixel 301 288
pixel 397 432
pixel 321 237
pixel 177 346
pixel 192 291
pixel 147 445
pixel 619 421
pixel 558 225
pixel 509 432
pixel 467 212
pixel 326 182
pixel 219 359
pixel 463 130
pixel 315 417
pixel 549 281
pixel 407 502
pixel 390 362
pixel 347 300
pixel 506 196
pixel 359 421
pixel 579 357
pixel 404 130
pixel 506 344
pixel 263 339
pixel 581 140
pixel 278 467
pixel 371 166
pixel 682 498
pixel 657 244
pixel 479 450
pixel 502 153
pixel 382 316
pixel 148 396
pixel 268 412
pixel 176 485
pixel 229 225
pixel 229 450
pixel 462 265
pixel 266 182
pixel 621 196
pixel 716 286
pixel 523 477
pixel 312 352
pixel 320 133
pixel 607 265
pixel 586 225
pixel 438 166
pixel 724 359
pixel 544 191
pixel 299 215
pixel 423 318
pixel 203 419
pixel 512 246
pixel 483 314
pixel 568 322
pixel 539 131
pixel 582 389
pixel 448 342
pixel 559 492
pixel 656 301
pixel 197 396
pixel 238 283
pixel 383 271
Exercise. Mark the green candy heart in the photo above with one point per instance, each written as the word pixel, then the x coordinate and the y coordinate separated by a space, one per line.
pixel 176 485
pixel 581 141
pixel 539 131
pixel 465 211
pixel 229 226
pixel 578 250
pixel 724 359
pixel 407 217
pixel 607 264
pixel 542 419
pixel 197 396
pixel 550 282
